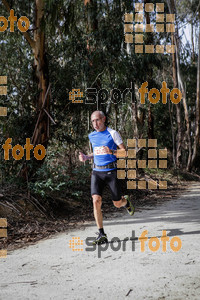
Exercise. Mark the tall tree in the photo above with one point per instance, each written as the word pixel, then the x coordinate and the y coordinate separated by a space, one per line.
pixel 197 129
pixel 150 80
pixel 171 5
pixel 37 44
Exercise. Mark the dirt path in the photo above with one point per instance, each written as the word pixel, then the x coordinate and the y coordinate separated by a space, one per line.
pixel 52 270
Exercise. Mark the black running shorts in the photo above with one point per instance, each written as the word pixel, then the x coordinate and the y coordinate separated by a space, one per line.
pixel 100 179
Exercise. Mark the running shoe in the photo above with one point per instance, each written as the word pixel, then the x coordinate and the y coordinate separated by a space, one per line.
pixel 101 239
pixel 129 206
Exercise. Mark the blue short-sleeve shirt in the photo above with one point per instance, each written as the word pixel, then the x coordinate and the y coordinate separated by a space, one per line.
pixel 110 138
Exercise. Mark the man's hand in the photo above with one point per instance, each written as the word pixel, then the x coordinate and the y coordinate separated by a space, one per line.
pixel 118 153
pixel 82 156
pixel 107 150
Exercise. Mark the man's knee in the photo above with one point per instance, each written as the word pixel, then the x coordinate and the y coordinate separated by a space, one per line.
pixel 97 201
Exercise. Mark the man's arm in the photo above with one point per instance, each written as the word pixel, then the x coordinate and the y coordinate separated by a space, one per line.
pixel 121 146
pixel 83 157
pixel 121 152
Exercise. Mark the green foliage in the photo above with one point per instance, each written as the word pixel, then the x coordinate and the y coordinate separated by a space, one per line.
pixel 53 177
pixel 84 47
pixel 43 187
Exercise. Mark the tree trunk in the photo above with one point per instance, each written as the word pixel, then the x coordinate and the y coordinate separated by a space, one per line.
pixel 37 44
pixel 171 6
pixel 182 88
pixel 116 113
pixel 150 124
pixel 173 136
pixel 192 39
pixel 134 112
pixel 178 82
pixel 41 69
pixel 150 80
pixel 196 137
pixel 91 26
pixel 188 132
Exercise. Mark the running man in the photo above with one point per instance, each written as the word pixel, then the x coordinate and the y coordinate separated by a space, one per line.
pixel 104 142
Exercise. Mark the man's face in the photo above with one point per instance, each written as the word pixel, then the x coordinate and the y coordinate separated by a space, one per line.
pixel 98 122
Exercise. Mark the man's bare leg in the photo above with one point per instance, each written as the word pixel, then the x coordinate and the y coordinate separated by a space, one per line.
pixel 126 202
pixel 102 237
pixel 120 203
pixel 97 201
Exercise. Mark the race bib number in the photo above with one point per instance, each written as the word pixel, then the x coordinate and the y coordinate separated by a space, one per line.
pixel 99 150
